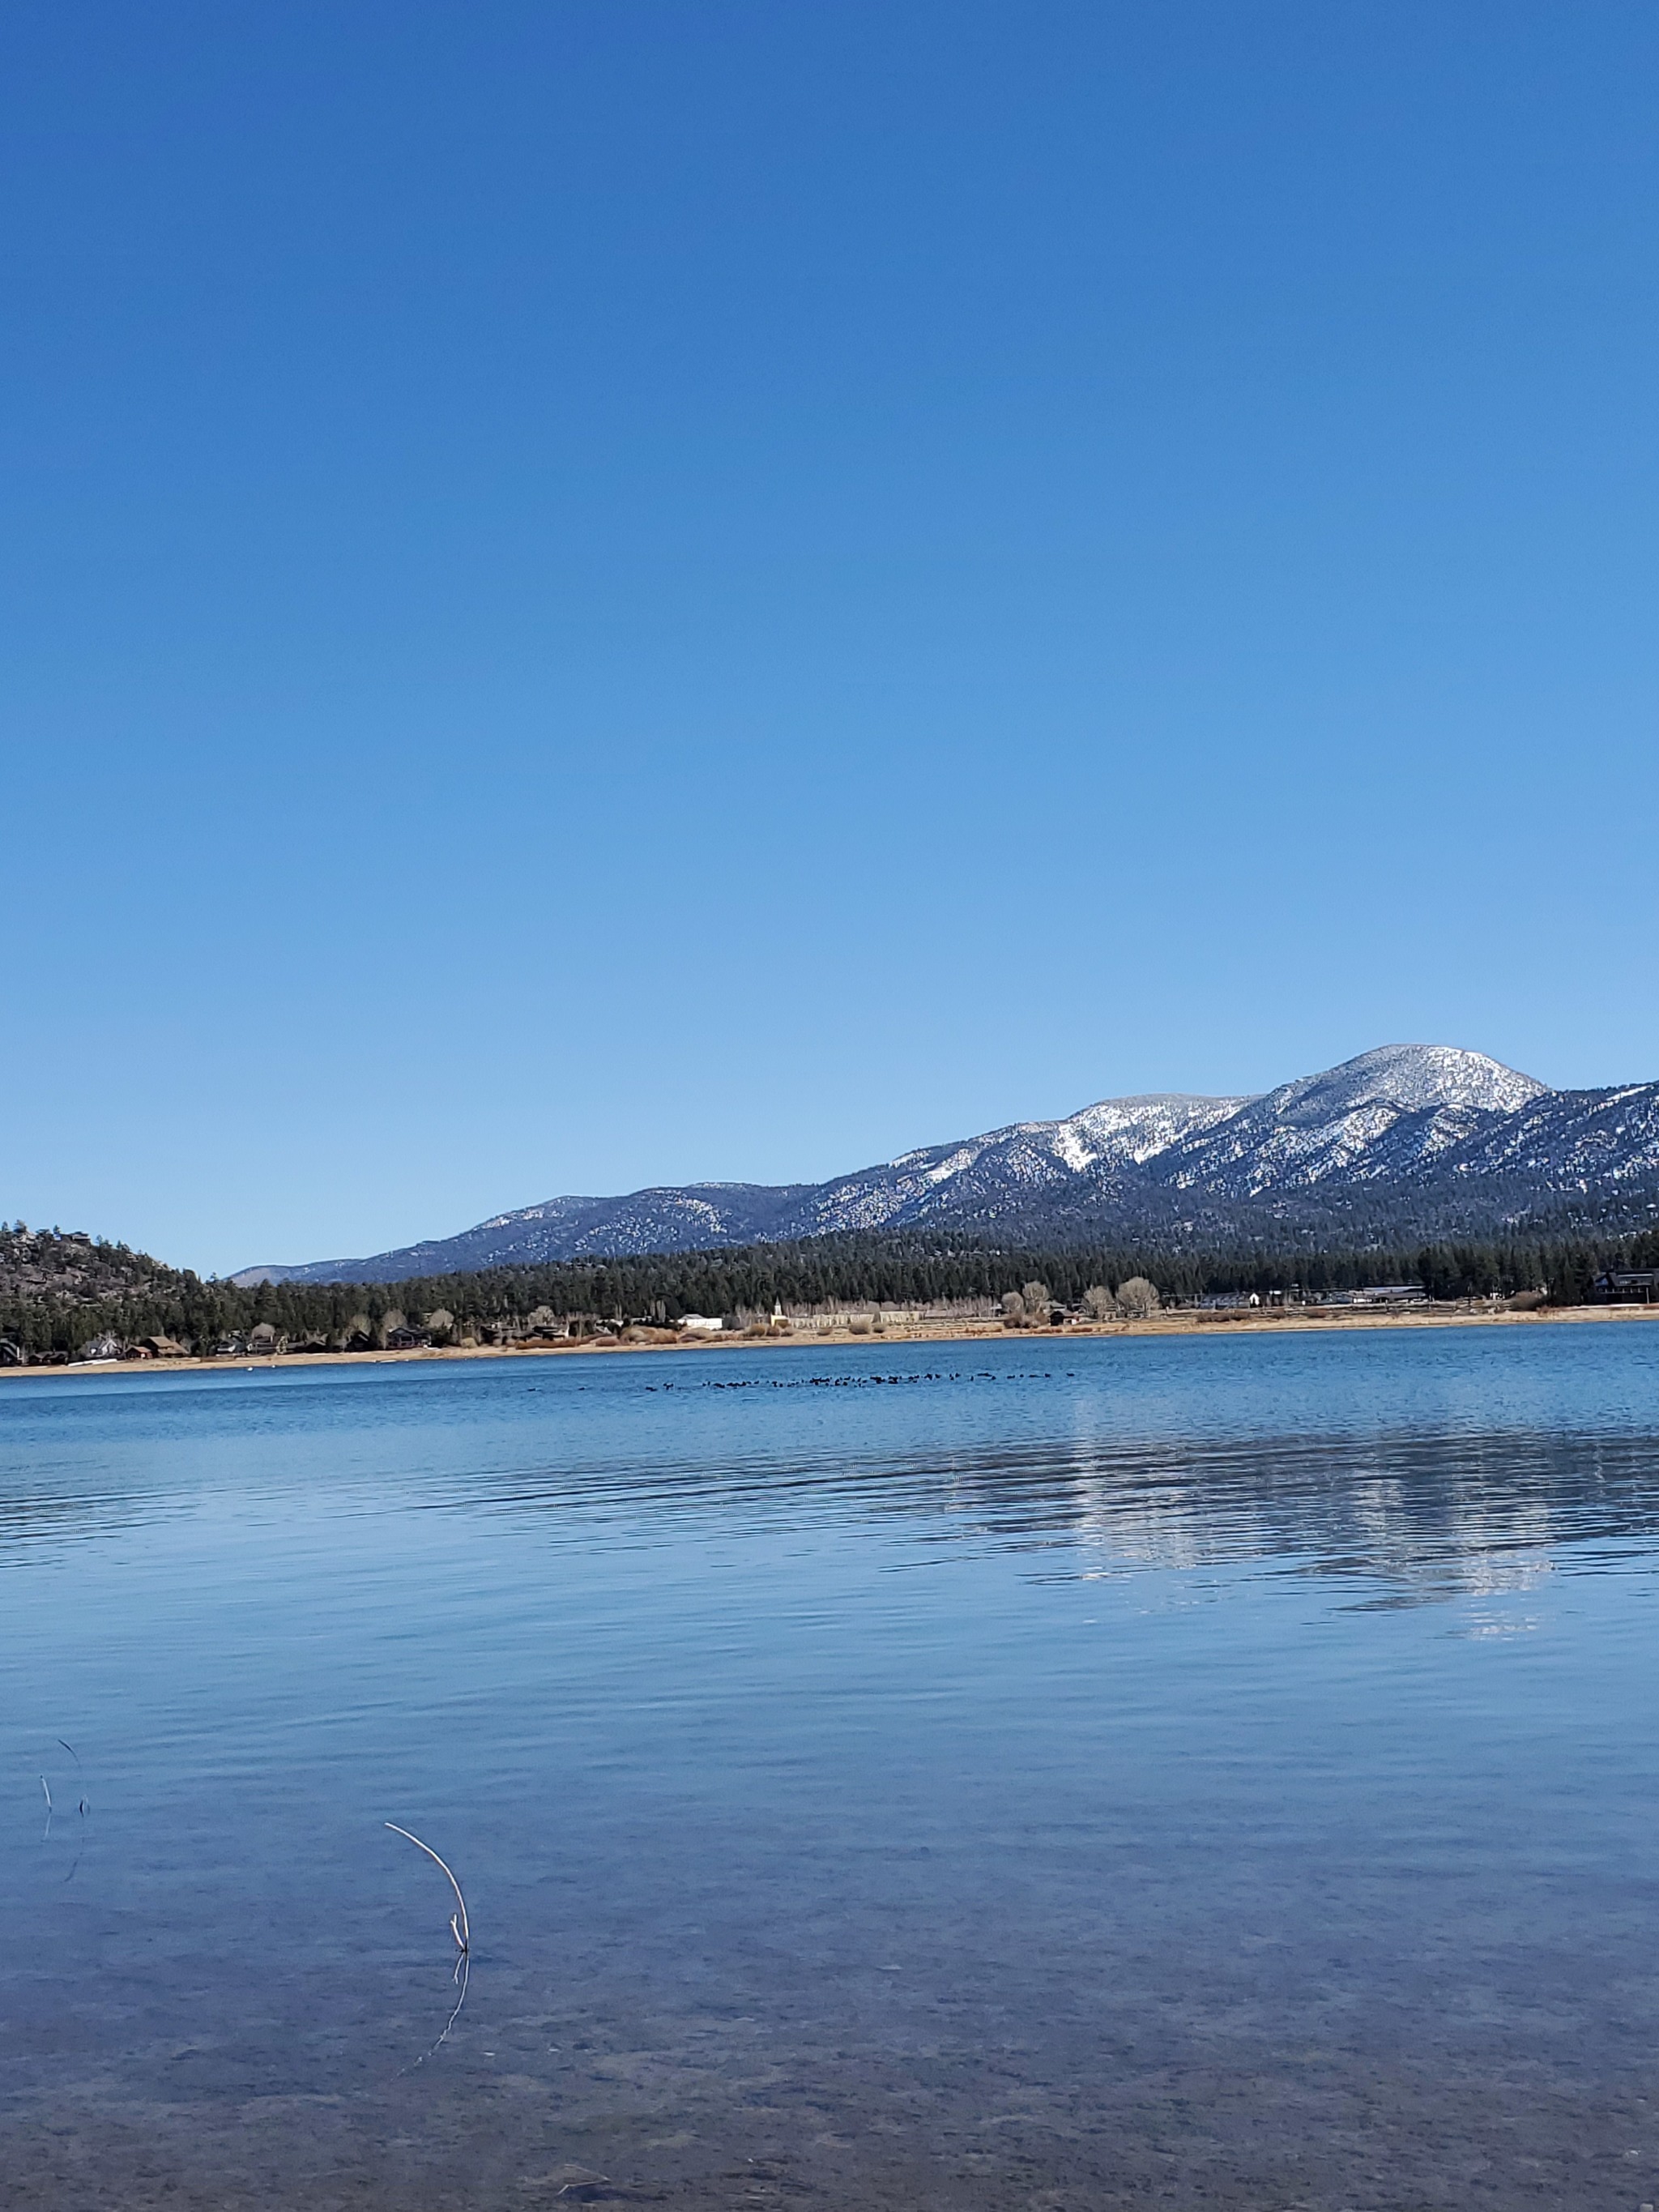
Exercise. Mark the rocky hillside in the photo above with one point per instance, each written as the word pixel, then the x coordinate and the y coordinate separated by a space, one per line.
pixel 67 1268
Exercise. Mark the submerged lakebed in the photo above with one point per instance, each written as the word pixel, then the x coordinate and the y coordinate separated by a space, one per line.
pixel 1063 1774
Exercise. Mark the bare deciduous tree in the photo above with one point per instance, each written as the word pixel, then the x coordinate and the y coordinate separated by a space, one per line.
pixel 1099 1302
pixel 1138 1297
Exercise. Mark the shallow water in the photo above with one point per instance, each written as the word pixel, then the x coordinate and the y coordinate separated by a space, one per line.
pixel 1117 1773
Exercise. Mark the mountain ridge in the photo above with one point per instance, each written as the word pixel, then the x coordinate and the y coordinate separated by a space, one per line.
pixel 1419 1139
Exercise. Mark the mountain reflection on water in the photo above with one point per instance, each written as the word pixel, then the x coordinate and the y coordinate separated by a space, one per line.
pixel 1040 1773
pixel 1426 1516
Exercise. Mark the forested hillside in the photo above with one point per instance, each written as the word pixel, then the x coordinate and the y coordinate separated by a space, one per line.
pixel 60 1293
pixel 57 1285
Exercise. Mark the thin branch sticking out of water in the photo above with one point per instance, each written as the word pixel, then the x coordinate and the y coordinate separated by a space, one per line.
pixel 83 1806
pixel 459 1927
pixel 458 1923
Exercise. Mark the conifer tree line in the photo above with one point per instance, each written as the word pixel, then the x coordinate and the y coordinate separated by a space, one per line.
pixel 47 1309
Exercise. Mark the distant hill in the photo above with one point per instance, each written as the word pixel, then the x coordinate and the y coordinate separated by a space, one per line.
pixel 61 1289
pixel 1406 1141
pixel 67 1268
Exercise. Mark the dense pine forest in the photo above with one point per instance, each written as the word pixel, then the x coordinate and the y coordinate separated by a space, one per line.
pixel 60 1293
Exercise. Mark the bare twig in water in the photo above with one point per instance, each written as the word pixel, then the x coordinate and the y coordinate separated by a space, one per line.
pixel 45 1791
pixel 458 1924
pixel 459 1927
pixel 83 1806
pixel 463 1974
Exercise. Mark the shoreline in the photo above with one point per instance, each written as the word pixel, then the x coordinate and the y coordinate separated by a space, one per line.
pixel 1267 1322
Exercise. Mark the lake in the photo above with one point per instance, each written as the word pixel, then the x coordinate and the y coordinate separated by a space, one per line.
pixel 1123 1773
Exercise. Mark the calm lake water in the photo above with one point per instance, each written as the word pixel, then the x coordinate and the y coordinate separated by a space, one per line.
pixel 1119 1773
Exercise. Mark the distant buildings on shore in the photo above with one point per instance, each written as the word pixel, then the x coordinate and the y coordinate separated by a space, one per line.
pixel 393 1331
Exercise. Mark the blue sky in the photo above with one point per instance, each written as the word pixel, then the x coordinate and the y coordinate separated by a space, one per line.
pixel 621 593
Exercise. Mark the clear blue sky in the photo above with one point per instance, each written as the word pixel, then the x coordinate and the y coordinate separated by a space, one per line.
pixel 605 594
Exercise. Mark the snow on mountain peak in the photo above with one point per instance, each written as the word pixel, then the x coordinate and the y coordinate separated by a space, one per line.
pixel 1402 1119
pixel 1413 1077
pixel 1137 1130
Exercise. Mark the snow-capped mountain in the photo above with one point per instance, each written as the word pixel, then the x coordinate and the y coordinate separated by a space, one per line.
pixel 1404 1138
pixel 1384 1115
